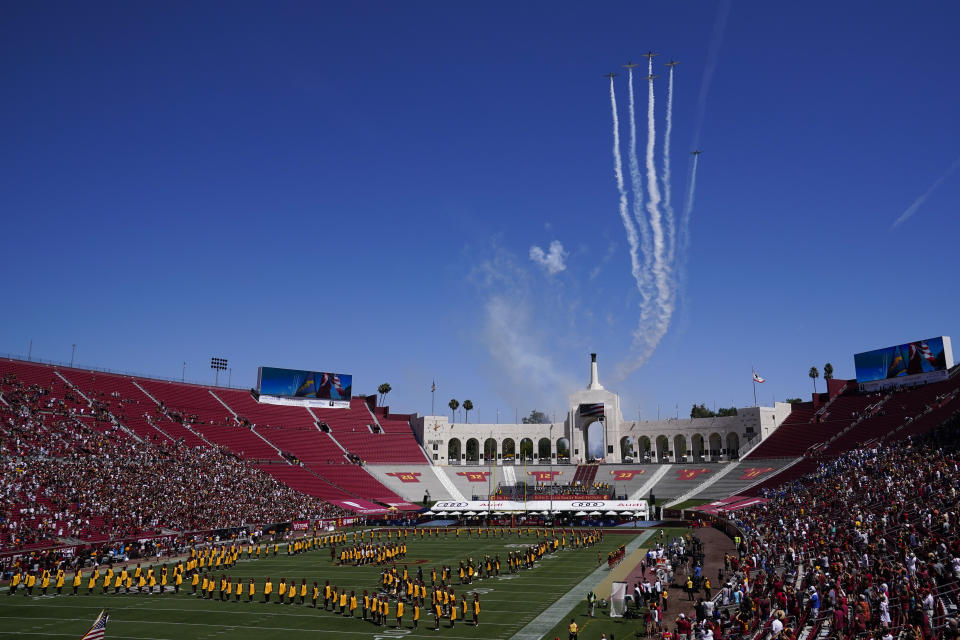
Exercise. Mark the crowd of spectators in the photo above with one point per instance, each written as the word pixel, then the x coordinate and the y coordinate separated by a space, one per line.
pixel 866 547
pixel 69 470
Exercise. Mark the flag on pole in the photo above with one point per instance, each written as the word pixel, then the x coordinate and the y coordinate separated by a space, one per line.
pixel 757 378
pixel 99 628
pixel 433 387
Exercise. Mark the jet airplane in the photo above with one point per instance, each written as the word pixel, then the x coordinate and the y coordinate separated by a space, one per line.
pixel 611 75
pixel 696 153
pixel 672 63
pixel 652 78
pixel 630 65
pixel 650 54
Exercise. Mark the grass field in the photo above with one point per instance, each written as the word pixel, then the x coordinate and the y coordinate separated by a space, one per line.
pixel 508 602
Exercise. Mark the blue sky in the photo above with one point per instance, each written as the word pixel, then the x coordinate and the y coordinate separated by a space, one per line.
pixel 357 186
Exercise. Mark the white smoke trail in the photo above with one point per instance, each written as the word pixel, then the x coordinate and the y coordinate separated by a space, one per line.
pixel 688 207
pixel 632 240
pixel 667 189
pixel 912 209
pixel 636 182
pixel 661 271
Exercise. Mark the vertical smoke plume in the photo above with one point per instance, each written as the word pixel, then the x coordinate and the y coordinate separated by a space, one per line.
pixel 667 189
pixel 632 240
pixel 661 270
pixel 636 183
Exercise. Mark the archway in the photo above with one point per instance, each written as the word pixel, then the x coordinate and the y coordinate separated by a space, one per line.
pixel 663 448
pixel 716 443
pixel 733 445
pixel 490 451
pixel 453 451
pixel 595 444
pixel 679 447
pixel 696 444
pixel 563 450
pixel 473 451
pixel 644 445
pixel 509 450
pixel 626 448
pixel 543 448
pixel 526 449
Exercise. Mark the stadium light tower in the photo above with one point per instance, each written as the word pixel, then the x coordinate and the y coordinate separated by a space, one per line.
pixel 218 365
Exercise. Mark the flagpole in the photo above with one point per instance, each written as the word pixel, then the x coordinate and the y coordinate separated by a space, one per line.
pixel 433 398
pixel 754 378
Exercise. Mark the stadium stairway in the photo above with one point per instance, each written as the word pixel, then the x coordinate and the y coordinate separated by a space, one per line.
pixel 737 477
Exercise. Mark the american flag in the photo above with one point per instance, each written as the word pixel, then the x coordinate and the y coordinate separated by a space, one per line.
pixel 99 628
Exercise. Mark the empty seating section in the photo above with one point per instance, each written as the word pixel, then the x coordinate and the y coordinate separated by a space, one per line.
pixel 585 475
pixel 791 437
pixel 305 443
pixel 355 480
pixel 262 415
pixel 352 429
pixel 303 480
pixel 192 402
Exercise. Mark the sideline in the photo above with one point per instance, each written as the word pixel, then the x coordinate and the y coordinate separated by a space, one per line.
pixel 559 609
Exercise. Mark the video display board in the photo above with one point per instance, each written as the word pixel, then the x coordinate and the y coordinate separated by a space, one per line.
pixel 311 385
pixel 898 361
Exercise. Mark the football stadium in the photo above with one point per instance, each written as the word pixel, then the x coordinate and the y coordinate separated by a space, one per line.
pixel 479 321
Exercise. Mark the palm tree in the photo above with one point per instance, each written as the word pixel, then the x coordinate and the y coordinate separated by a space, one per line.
pixel 814 374
pixel 467 407
pixel 454 405
pixel 383 390
pixel 828 371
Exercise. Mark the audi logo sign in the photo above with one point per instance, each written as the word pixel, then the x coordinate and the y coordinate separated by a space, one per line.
pixel 586 505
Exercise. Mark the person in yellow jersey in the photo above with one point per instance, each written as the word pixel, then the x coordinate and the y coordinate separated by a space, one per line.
pixel 194 581
pixel 327 593
pixel 152 578
pixel 465 606
pixel 119 579
pixel 400 614
pixel 251 590
pixel 476 609
pixel 15 582
pixel 177 581
pixel 316 594
pixel 416 614
pixel 437 612
pixel 267 590
pixel 281 590
pixel 44 582
pixel 31 583
pixel 353 604
pixel 211 587
pixel 453 610
pixel 229 589
pixel 93 580
pixel 386 611
pixel 203 586
pixel 128 584
pixel 303 591
pixel 366 605
pixel 237 589
pixel 343 602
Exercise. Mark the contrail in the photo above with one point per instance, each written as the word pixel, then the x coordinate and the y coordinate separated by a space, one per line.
pixel 688 207
pixel 661 272
pixel 667 189
pixel 636 183
pixel 624 211
pixel 912 209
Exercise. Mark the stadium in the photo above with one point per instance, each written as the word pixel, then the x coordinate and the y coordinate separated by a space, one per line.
pixel 479 321
pixel 107 472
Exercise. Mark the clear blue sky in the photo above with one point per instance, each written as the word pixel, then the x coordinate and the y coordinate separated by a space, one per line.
pixel 356 187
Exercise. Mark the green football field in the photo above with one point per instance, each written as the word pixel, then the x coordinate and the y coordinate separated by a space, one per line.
pixel 508 602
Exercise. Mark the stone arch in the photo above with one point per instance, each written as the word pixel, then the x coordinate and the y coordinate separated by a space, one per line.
pixel 626 447
pixel 679 446
pixel 644 444
pixel 733 445
pixel 663 448
pixel 473 450
pixel 543 448
pixel 563 448
pixel 716 444
pixel 453 451
pixel 593 437
pixel 526 449
pixel 509 449
pixel 696 447
pixel 490 450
